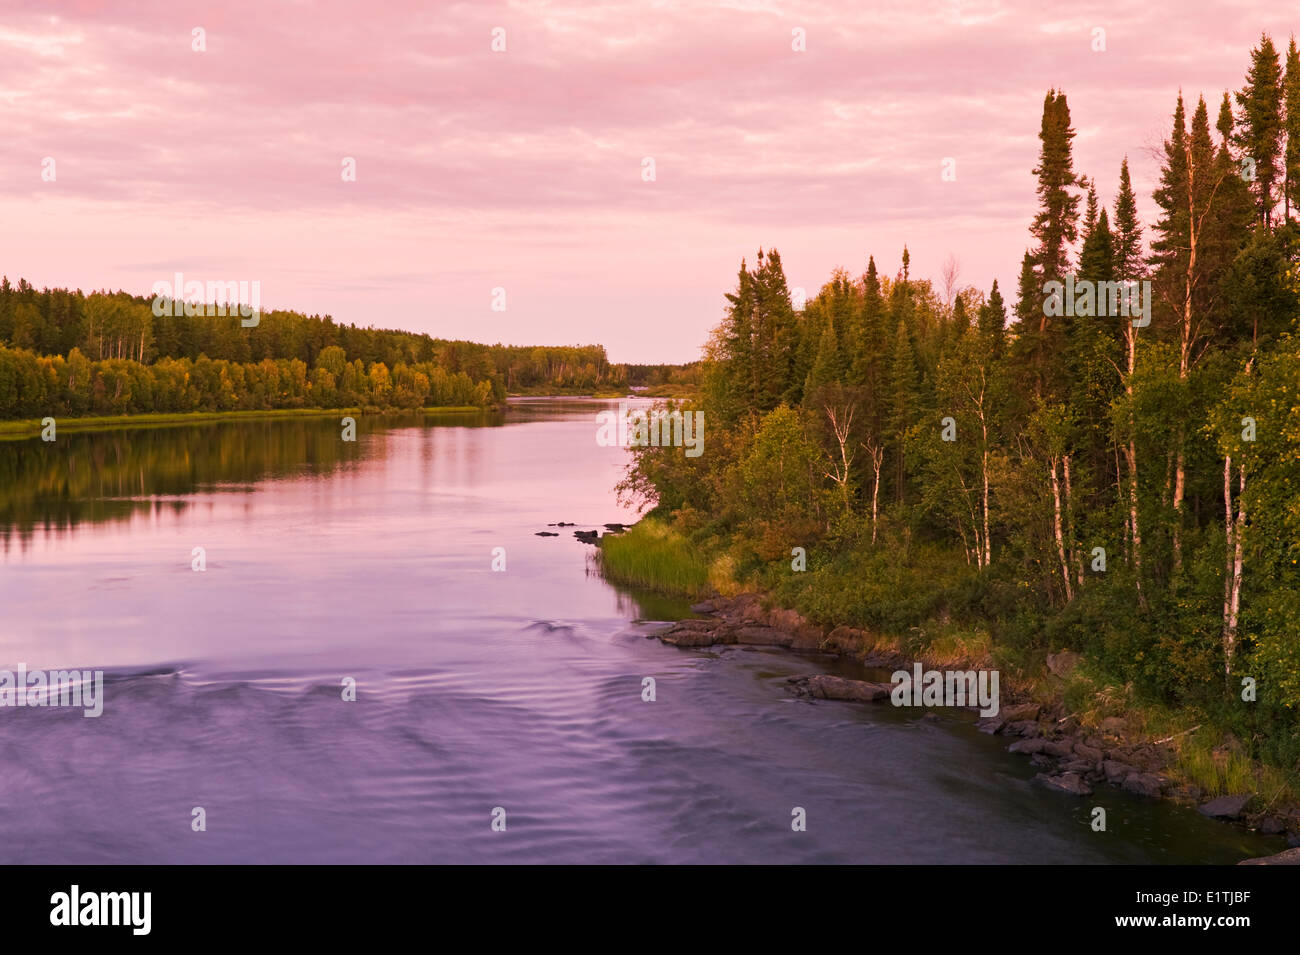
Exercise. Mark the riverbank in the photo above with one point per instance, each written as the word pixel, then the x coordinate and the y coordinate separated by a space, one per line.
pixel 1079 734
pixel 32 427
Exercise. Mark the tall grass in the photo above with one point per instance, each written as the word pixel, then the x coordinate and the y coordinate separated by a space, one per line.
pixel 654 556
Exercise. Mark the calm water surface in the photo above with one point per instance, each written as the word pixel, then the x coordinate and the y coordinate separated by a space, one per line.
pixel 475 689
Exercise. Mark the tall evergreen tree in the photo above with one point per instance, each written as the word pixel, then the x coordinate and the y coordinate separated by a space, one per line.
pixel 1128 231
pixel 1260 123
pixel 1291 162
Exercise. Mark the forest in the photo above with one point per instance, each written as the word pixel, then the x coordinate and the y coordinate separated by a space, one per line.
pixel 105 353
pixel 980 468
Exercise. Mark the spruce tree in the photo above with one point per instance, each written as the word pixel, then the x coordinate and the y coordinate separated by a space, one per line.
pixel 1291 163
pixel 1261 123
pixel 1128 231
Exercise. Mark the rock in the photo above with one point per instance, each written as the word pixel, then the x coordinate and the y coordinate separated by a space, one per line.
pixel 1063 663
pixel 1143 784
pixel 1115 770
pixel 1079 765
pixel 1088 752
pixel 990 724
pixel 704 606
pixel 764 637
pixel 1285 857
pixel 1272 826
pixel 696 633
pixel 563 524
pixel 1030 746
pixel 587 537
pixel 1293 840
pixel 616 528
pixel 1026 728
pixel 546 534
pixel 1060 748
pixel 1070 783
pixel 1042 760
pixel 1225 807
pixel 1020 712
pixel 826 687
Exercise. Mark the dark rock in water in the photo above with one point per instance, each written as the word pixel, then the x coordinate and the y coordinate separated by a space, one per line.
pixel 1070 783
pixel 1029 746
pixel 1078 765
pixel 1293 840
pixel 546 534
pixel 704 606
pixel 1272 826
pixel 826 687
pixel 1144 784
pixel 991 724
pixel 1088 752
pixel 1225 807
pixel 616 528
pixel 1285 857
pixel 1041 759
pixel 694 633
pixel 1115 770
pixel 587 537
pixel 1025 728
pixel 1060 748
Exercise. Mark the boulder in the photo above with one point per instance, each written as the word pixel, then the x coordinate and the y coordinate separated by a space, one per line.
pixel 1143 784
pixel 1115 770
pixel 1026 728
pixel 1071 783
pixel 1285 857
pixel 826 687
pixel 1063 663
pixel 1029 746
pixel 1225 807
pixel 991 724
pixel 704 606
pixel 1088 752
pixel 1060 748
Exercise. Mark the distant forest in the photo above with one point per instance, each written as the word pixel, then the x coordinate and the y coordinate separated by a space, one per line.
pixel 63 352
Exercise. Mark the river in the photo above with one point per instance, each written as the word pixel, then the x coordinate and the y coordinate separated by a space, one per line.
pixel 477 690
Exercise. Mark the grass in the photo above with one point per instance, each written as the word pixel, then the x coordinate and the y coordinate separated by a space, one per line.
pixel 653 556
pixel 31 427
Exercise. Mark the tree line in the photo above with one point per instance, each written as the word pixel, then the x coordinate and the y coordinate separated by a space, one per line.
pixel 66 352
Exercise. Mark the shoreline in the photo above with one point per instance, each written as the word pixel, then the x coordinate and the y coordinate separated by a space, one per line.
pixel 31 427
pixel 1072 758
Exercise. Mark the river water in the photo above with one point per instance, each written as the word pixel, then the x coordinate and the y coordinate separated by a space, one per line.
pixel 477 689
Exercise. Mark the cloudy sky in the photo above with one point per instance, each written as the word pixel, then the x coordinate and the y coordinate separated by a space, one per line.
pixel 523 169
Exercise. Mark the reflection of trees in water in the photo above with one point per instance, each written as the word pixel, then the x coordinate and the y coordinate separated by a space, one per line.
pixel 113 475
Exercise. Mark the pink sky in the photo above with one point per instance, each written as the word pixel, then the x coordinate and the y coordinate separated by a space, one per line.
pixel 522 169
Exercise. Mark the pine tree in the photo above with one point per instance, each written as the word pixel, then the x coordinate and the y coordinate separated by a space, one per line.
pixel 1056 224
pixel 1291 164
pixel 1128 231
pixel 1261 123
pixel 992 321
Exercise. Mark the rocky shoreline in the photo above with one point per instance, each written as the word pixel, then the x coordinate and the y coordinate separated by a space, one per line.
pixel 1072 758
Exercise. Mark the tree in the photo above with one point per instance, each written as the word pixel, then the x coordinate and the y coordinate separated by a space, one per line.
pixel 1261 123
